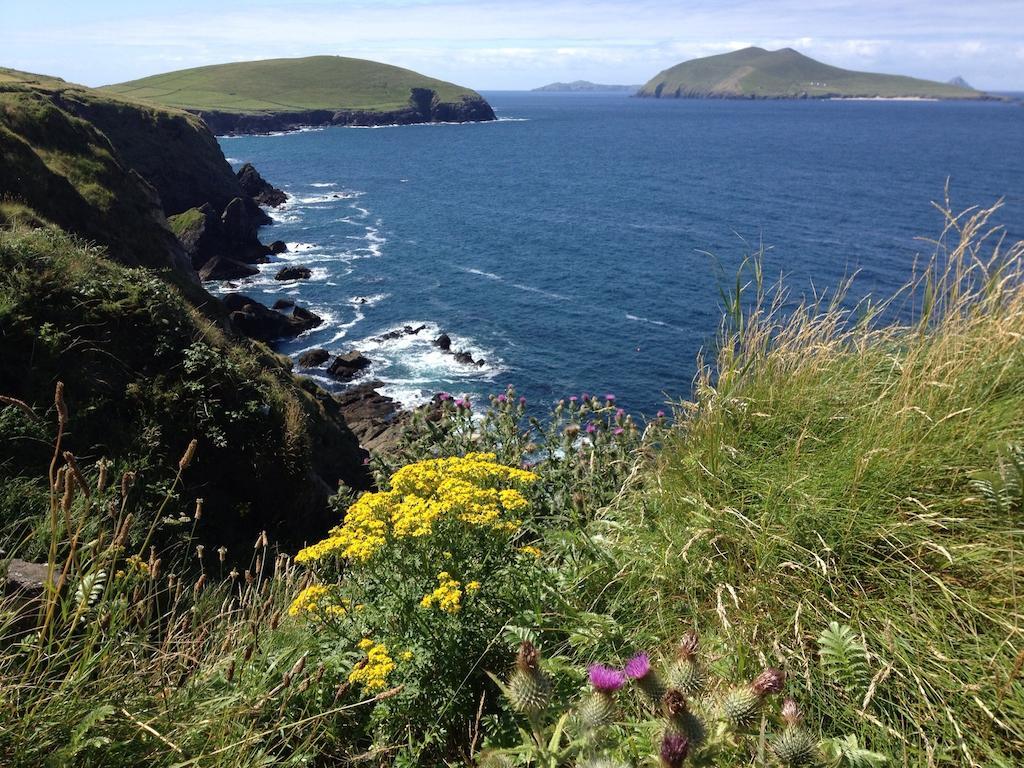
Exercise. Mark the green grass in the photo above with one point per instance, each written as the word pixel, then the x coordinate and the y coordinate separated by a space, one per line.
pixel 828 470
pixel 289 85
pixel 787 73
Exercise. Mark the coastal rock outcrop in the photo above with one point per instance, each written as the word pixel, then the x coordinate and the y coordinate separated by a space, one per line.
pixel 314 358
pixel 259 189
pixel 259 322
pixel 377 420
pixel 294 273
pixel 345 367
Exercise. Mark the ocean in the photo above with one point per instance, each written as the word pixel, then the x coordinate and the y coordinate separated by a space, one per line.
pixel 582 242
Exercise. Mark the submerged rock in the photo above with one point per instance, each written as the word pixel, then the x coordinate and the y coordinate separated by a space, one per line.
pixel 443 341
pixel 278 246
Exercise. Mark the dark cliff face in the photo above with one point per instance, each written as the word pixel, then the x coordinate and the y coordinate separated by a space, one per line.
pixel 176 154
pixel 423 108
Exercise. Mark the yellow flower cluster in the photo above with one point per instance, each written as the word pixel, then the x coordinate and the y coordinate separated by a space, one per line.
pixel 529 549
pixel 448 595
pixel 315 600
pixel 469 488
pixel 373 672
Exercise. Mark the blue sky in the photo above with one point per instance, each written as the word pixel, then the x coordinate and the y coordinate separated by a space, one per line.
pixel 489 44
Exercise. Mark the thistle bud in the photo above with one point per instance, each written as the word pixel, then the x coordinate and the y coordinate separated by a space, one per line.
pixel 679 718
pixel 795 747
pixel 742 704
pixel 528 687
pixel 769 681
pixel 686 673
pixel 674 749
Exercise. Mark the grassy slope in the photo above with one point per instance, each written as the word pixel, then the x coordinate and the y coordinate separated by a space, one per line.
pixel 289 85
pixel 169 148
pixel 828 473
pixel 757 72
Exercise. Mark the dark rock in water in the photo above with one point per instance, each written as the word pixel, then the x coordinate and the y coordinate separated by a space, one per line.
pixel 314 358
pixel 376 419
pixel 258 322
pixel 464 357
pixel 481 363
pixel 223 268
pixel 345 367
pixel 294 273
pixel 283 304
pixel 258 188
pixel 443 341
pixel 278 246
pixel 398 333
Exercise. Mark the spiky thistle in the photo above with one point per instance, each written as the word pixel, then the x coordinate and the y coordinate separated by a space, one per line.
pixel 795 747
pixel 528 688
pixel 647 680
pixel 598 708
pixel 679 718
pixel 742 703
pixel 686 673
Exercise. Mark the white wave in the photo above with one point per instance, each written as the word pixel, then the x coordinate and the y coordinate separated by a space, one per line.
pixel 232 160
pixel 659 323
pixel 323 184
pixel 541 291
pixel 368 301
pixel 489 275
pixel 299 247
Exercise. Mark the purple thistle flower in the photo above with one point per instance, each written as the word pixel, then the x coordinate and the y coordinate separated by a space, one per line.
pixel 639 666
pixel 366 461
pixel 443 396
pixel 522 401
pixel 502 398
pixel 591 428
pixel 618 431
pixel 661 414
pixel 573 399
pixel 605 679
pixel 610 398
pixel 620 413
pixel 674 748
pixel 586 396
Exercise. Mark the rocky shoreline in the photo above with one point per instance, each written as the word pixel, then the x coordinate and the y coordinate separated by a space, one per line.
pixel 423 108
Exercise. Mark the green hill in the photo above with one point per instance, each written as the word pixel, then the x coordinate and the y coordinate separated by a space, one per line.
pixel 270 94
pixel 788 74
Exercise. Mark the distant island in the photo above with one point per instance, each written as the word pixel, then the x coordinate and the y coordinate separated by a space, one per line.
pixel 755 73
pixel 281 94
pixel 585 86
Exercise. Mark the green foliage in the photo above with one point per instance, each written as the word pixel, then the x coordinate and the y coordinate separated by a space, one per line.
pixel 1003 489
pixel 289 85
pixel 843 658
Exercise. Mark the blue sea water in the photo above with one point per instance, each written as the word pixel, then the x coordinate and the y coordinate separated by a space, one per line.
pixel 581 242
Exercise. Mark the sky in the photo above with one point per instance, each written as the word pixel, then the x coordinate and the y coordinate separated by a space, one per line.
pixel 512 44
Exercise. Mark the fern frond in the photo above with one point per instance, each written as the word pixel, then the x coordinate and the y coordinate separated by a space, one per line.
pixel 843 658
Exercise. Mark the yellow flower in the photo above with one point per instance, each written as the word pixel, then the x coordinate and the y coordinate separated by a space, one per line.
pixel 406 656
pixel 529 549
pixel 373 672
pixel 316 600
pixel 472 489
pixel 447 597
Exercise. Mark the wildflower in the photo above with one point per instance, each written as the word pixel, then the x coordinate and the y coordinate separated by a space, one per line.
pixel 502 398
pixel 529 549
pixel 522 402
pixel 591 428
pixel 406 656
pixel 315 600
pixel 610 399
pixel 795 746
pixel 372 673
pixel 674 748
pixel 605 679
pixel 620 413
pixel 448 595
pixel 686 673
pixel 661 414
pixel 573 399
pixel 639 669
pixel 618 431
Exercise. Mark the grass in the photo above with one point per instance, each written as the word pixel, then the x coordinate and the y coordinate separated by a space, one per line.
pixel 841 498
pixel 830 469
pixel 787 73
pixel 289 85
